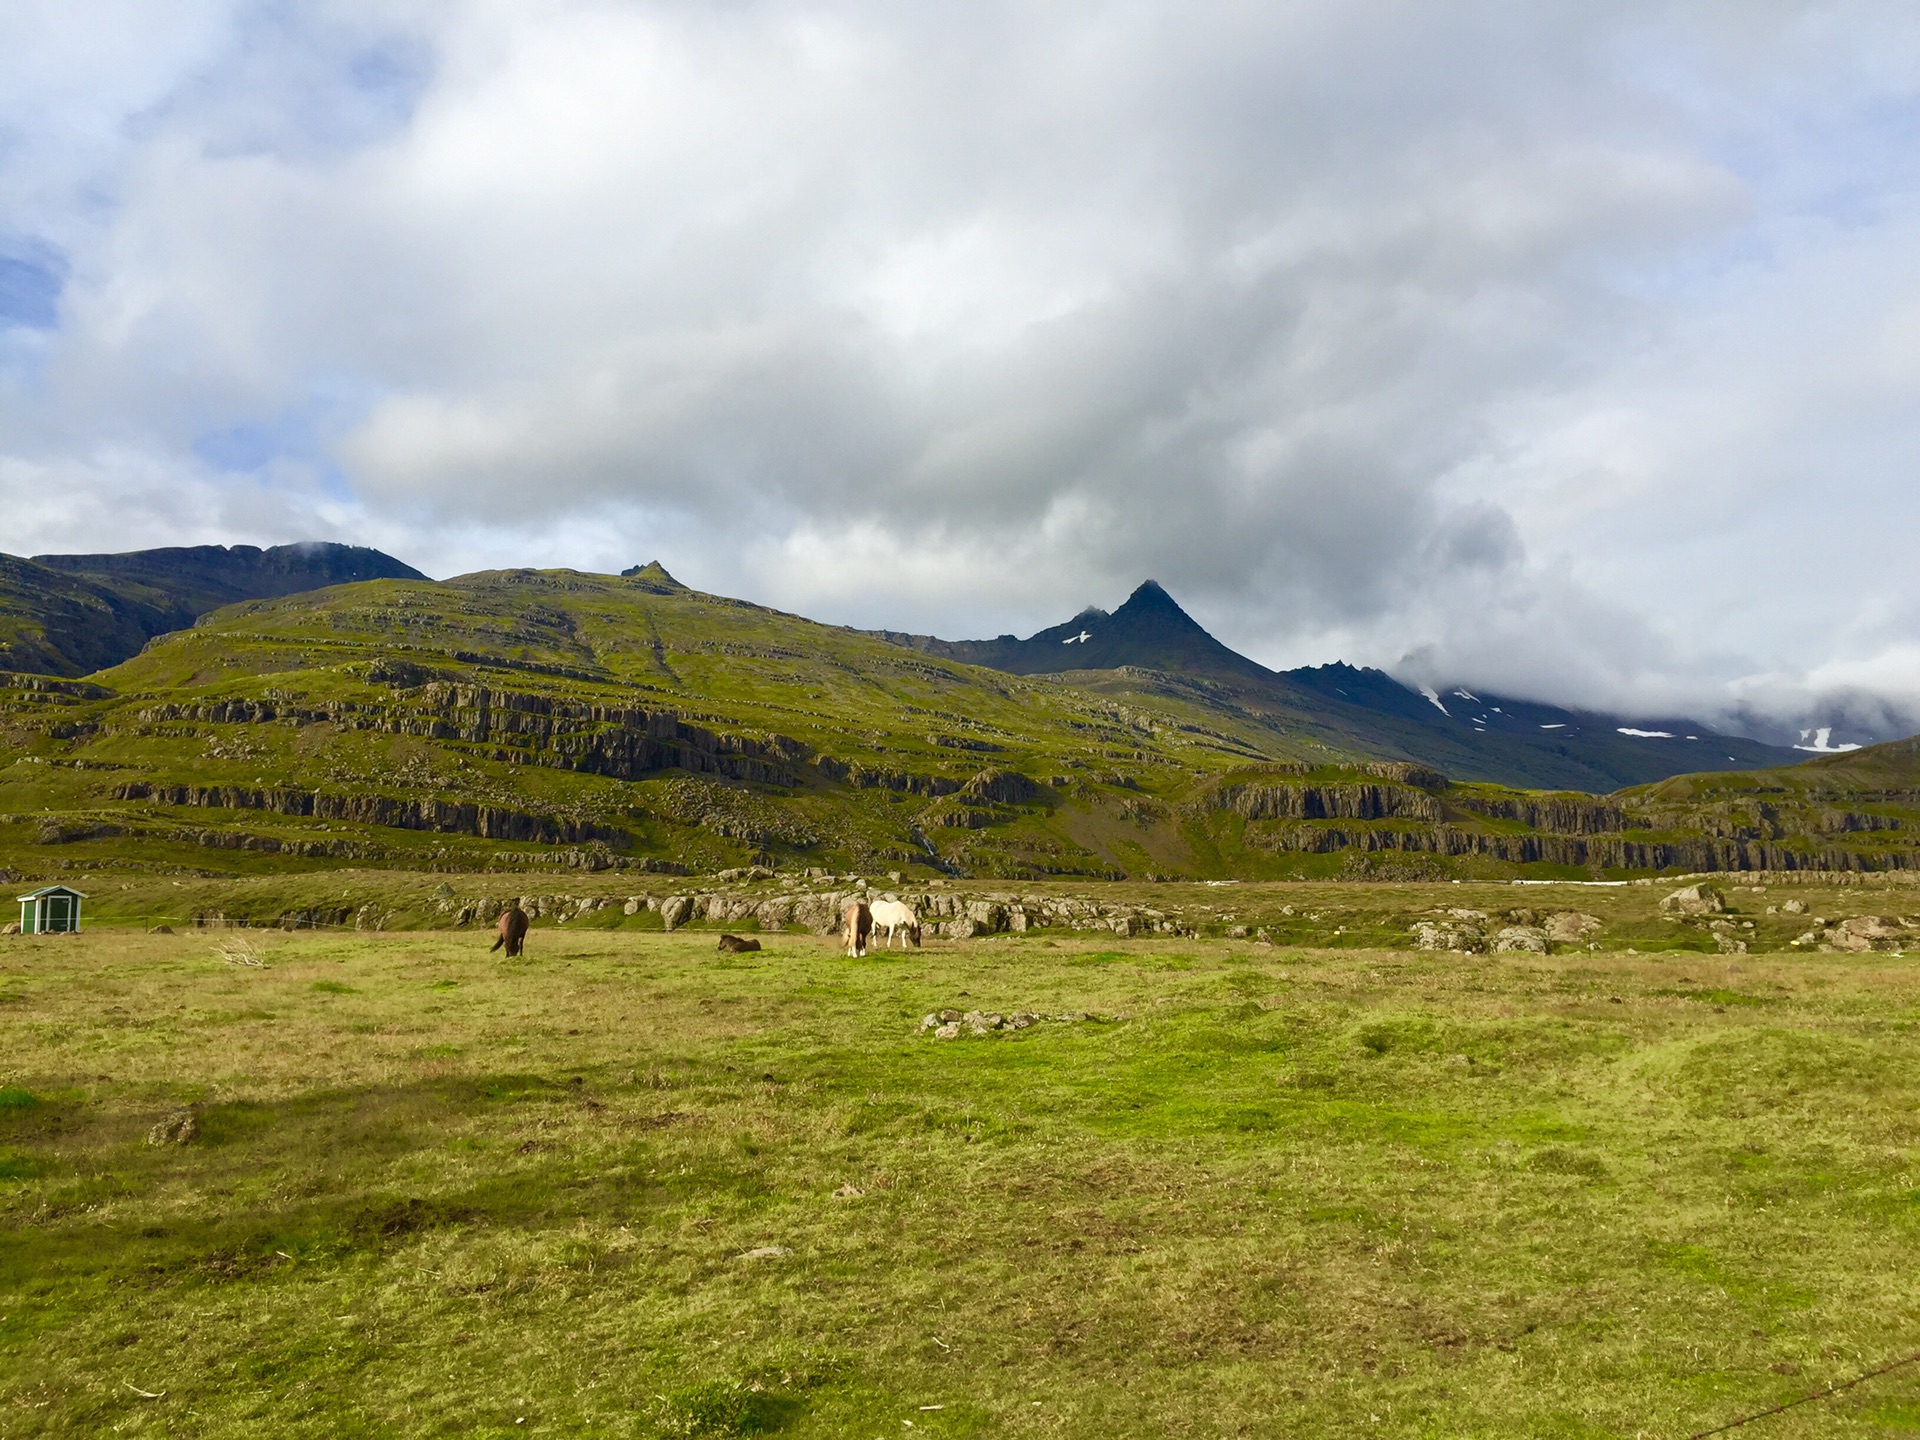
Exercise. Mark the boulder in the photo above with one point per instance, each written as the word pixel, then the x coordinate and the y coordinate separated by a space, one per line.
pixel 674 911
pixel 1570 926
pixel 180 1127
pixel 775 913
pixel 1794 907
pixel 1694 900
pixel 1438 935
pixel 1520 939
pixel 988 916
pixel 1866 932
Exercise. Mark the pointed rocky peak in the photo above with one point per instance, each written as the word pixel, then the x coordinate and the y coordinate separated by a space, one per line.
pixel 1150 630
pixel 1150 603
pixel 652 576
pixel 1151 593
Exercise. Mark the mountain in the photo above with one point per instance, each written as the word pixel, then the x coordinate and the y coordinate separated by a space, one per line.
pixel 1150 630
pixel 197 578
pixel 73 614
pixel 57 624
pixel 519 719
pixel 1156 648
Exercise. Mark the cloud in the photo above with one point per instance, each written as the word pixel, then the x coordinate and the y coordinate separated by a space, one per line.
pixel 1568 348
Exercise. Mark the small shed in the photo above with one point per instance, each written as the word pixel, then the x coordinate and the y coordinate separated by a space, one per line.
pixel 51 910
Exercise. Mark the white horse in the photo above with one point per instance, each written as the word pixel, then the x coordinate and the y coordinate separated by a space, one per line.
pixel 896 919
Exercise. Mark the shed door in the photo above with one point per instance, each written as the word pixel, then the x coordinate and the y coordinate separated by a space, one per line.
pixel 59 913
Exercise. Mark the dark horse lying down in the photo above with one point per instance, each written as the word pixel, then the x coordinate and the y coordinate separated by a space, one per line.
pixel 513 931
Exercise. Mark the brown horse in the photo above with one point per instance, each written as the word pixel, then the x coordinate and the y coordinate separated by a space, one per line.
pixel 513 931
pixel 856 926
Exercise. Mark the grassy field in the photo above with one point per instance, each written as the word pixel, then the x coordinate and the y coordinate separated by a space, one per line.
pixel 628 1186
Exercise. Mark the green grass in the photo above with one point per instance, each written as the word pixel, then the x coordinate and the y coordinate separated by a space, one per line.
pixel 1264 1191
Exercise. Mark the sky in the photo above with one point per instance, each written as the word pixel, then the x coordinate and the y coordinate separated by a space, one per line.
pixel 1561 349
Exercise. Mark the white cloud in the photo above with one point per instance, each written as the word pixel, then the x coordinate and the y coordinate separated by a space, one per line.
pixel 1565 349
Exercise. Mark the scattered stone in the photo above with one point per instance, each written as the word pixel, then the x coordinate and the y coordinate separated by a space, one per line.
pixel 738 945
pixel 1694 900
pixel 765 1252
pixel 848 1191
pixel 947 1024
pixel 181 1127
pixel 1794 907
pixel 12 927
pixel 1238 932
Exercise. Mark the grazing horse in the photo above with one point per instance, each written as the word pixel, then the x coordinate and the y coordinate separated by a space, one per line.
pixel 897 920
pixel 513 931
pixel 856 925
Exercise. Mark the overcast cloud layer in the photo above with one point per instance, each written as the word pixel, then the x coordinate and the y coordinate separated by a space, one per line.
pixel 1561 348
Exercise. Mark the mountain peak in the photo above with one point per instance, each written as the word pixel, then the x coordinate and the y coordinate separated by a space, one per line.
pixel 652 576
pixel 1150 630
pixel 1151 598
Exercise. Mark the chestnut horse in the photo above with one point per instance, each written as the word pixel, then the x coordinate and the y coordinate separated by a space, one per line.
pixel 513 931
pixel 856 925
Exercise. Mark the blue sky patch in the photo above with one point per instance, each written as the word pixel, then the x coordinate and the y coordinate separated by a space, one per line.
pixel 32 275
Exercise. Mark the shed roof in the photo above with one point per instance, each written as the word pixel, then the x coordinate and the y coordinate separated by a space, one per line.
pixel 52 890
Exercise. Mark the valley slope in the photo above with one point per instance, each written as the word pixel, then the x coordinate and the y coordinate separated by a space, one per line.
pixel 73 614
pixel 523 718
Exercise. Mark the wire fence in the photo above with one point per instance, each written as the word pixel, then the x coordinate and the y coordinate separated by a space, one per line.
pixel 1827 1393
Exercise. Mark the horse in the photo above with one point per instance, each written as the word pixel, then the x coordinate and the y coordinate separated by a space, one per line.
pixel 856 925
pixel 513 931
pixel 897 920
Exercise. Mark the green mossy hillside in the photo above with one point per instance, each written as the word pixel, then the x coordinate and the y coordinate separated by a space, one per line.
pixel 550 718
